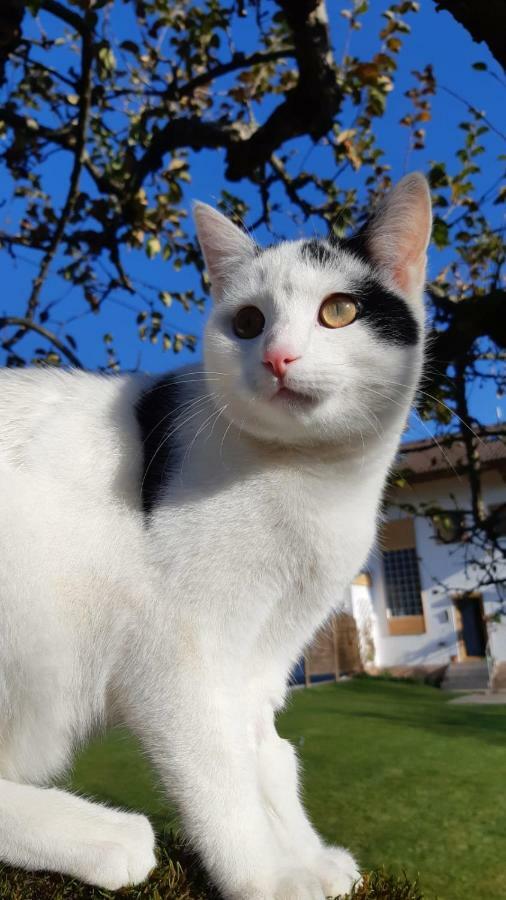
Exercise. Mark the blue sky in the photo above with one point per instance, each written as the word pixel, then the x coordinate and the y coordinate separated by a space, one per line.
pixel 436 38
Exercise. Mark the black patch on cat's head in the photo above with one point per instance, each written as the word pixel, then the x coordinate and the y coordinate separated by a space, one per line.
pixel 319 252
pixel 358 244
pixel 380 309
pixel 156 410
pixel 387 314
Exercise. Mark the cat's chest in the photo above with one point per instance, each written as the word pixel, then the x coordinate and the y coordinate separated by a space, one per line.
pixel 271 534
pixel 319 533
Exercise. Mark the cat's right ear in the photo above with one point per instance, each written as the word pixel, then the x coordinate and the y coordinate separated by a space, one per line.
pixel 397 235
pixel 224 245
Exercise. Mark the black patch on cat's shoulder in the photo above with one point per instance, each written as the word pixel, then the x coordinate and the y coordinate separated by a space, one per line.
pixel 319 252
pixel 155 411
pixel 387 313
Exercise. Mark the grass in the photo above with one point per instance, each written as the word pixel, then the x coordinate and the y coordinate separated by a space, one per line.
pixel 407 781
pixel 177 877
pixel 394 772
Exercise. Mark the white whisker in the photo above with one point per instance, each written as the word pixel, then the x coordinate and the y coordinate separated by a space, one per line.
pixel 164 441
pixel 184 406
pixel 199 431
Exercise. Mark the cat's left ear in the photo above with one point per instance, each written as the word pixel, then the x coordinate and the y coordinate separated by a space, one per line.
pixel 223 245
pixel 398 235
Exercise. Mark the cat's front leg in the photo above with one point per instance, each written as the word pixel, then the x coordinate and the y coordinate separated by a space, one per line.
pixel 49 829
pixel 204 749
pixel 334 867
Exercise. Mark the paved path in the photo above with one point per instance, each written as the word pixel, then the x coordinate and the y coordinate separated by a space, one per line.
pixel 484 697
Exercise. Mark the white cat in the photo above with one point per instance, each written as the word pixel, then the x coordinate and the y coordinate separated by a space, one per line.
pixel 167 548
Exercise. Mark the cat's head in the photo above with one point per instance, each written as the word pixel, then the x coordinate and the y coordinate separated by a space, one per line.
pixel 312 340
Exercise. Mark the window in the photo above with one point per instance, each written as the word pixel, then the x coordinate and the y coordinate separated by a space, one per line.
pixel 402 582
pixel 402 578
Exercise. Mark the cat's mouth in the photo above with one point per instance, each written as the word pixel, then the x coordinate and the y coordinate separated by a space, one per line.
pixel 294 398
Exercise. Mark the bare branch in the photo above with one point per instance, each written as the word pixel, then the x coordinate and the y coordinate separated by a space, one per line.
pixel 29 325
pixel 79 152
pixel 67 15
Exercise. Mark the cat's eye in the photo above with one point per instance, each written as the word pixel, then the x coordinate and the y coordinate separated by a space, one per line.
pixel 337 310
pixel 248 322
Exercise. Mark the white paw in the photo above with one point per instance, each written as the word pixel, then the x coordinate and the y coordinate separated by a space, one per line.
pixel 300 884
pixel 336 870
pixel 293 884
pixel 121 852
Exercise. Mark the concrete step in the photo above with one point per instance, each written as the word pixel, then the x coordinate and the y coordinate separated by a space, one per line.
pixel 466 676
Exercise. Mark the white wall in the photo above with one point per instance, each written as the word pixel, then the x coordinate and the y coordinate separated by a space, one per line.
pixel 439 563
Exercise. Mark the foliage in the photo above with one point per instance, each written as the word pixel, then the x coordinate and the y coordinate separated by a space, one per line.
pixel 122 95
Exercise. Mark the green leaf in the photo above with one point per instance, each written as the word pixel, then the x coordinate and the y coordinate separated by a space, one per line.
pixel 440 233
pixel 153 247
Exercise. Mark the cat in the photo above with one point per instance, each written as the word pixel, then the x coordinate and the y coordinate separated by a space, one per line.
pixel 168 547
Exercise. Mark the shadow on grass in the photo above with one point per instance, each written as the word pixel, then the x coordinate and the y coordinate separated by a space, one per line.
pixel 418 707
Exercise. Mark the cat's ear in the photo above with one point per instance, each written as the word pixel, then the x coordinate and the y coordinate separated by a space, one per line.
pixel 223 245
pixel 398 234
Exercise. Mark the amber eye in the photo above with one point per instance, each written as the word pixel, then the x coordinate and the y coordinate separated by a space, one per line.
pixel 337 311
pixel 248 322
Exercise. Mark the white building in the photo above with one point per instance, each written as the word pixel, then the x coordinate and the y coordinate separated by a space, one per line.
pixel 410 607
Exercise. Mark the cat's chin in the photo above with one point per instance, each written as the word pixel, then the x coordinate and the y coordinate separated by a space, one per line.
pixel 289 418
pixel 295 399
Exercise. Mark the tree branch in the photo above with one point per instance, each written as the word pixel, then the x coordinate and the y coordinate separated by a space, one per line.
pixel 10 31
pixel 79 152
pixel 67 15
pixel 25 325
pixel 190 132
pixel 309 108
pixel 481 316
pixel 238 61
pixel 482 21
pixel 470 443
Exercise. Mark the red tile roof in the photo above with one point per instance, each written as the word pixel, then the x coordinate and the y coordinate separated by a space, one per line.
pixel 423 460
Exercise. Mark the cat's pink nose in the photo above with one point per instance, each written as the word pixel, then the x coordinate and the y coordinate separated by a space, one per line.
pixel 278 361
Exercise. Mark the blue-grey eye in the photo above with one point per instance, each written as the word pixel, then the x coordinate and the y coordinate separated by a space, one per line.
pixel 248 322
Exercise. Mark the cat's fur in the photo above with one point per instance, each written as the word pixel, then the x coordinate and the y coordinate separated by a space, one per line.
pixel 168 548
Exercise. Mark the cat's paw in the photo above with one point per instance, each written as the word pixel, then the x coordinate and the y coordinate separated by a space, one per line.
pixel 336 870
pixel 121 852
pixel 299 884
pixel 292 884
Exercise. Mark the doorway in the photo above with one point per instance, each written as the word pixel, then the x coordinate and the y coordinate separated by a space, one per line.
pixel 471 626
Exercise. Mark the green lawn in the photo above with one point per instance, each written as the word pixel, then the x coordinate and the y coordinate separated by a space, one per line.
pixel 392 771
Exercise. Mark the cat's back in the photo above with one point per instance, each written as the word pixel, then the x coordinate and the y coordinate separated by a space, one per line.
pixel 73 430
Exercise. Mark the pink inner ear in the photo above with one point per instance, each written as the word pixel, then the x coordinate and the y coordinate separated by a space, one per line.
pixel 400 233
pixel 400 276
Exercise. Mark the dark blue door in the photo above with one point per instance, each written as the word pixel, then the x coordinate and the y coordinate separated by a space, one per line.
pixel 473 626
